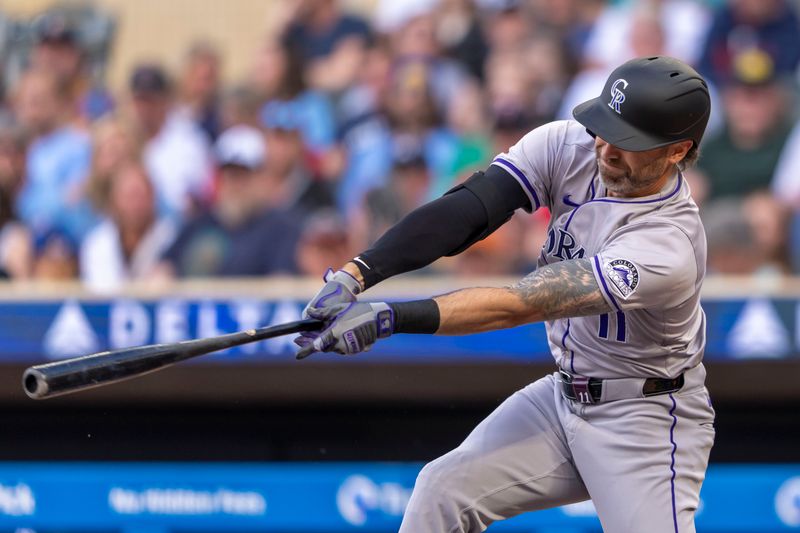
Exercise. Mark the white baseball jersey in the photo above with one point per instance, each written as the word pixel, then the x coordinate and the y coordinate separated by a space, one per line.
pixel 648 256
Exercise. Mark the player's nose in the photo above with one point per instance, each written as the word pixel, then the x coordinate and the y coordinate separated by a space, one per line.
pixel 605 149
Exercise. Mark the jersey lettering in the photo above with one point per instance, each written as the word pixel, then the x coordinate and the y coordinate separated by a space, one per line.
pixel 566 247
pixel 551 240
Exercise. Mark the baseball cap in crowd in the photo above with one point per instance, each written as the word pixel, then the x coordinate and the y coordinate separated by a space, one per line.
pixel 515 118
pixel 391 15
pixel 55 28
pixel 753 67
pixel 241 146
pixel 408 153
pixel 149 79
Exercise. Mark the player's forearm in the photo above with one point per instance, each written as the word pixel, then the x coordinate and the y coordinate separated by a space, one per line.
pixel 565 289
pixel 480 309
pixel 420 238
pixel 447 226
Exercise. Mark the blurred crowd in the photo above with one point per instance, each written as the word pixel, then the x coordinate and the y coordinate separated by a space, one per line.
pixel 346 122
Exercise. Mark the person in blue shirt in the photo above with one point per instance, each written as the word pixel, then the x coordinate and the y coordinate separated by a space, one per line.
pixel 57 160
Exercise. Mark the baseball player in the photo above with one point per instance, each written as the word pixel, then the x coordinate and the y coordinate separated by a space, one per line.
pixel 626 420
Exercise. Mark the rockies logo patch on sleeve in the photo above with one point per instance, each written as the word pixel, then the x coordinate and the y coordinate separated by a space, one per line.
pixel 624 275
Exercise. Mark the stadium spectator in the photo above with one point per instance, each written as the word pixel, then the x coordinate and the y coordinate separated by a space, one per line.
pixel 16 245
pixel 468 118
pixel 58 49
pixel 325 239
pixel 330 43
pixel 742 25
pixel 55 257
pixel 199 88
pixel 240 106
pixel 570 22
pixel 510 125
pixel 480 259
pixel 510 97
pixel 746 236
pixel 460 35
pixel 114 142
pixel 645 35
pixel 318 27
pixel 128 244
pixel 413 42
pixel 239 235
pixel 731 241
pixel 289 180
pixel 176 152
pixel 769 220
pixel 618 31
pixel 284 91
pixel 406 189
pixel 742 157
pixel 57 160
pixel 416 122
pixel 549 69
pixel 507 25
pixel 364 131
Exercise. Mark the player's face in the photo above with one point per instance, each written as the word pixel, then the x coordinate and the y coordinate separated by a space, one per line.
pixel 633 174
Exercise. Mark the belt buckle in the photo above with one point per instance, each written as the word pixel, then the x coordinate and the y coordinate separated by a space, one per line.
pixel 654 388
pixel 580 384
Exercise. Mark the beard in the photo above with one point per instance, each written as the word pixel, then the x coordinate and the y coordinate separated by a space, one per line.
pixel 623 181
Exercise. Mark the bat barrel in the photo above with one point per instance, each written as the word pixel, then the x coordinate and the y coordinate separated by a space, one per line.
pixel 72 375
pixel 34 383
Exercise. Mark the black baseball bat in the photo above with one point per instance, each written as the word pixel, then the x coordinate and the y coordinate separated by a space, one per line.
pixel 104 368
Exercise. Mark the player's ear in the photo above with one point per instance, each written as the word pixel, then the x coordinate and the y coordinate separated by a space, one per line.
pixel 677 151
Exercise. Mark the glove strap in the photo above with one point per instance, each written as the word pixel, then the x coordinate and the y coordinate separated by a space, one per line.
pixel 384 318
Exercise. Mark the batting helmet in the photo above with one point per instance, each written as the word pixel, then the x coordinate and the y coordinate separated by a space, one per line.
pixel 648 103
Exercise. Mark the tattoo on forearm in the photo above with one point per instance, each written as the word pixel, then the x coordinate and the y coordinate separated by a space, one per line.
pixel 564 289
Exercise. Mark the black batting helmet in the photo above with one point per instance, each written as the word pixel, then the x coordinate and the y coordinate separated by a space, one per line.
pixel 647 103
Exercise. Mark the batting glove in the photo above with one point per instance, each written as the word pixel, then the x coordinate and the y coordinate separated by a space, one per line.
pixel 340 288
pixel 355 328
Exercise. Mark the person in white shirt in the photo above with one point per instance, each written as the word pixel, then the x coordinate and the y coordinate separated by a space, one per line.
pixel 127 245
pixel 177 154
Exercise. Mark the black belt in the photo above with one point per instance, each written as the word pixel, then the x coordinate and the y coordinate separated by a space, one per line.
pixel 589 390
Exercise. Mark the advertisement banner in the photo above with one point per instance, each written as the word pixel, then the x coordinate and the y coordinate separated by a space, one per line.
pixel 50 330
pixel 341 497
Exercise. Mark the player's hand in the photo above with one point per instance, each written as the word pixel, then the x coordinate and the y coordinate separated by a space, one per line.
pixel 355 328
pixel 340 288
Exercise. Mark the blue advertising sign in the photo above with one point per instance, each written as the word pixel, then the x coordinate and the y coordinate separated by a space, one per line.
pixel 342 497
pixel 49 330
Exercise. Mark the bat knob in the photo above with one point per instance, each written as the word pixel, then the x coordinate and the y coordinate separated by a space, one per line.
pixel 35 384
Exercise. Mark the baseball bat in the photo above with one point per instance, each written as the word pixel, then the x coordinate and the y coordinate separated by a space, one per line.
pixel 103 368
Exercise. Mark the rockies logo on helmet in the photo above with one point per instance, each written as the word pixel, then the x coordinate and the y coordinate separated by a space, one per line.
pixel 617 96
